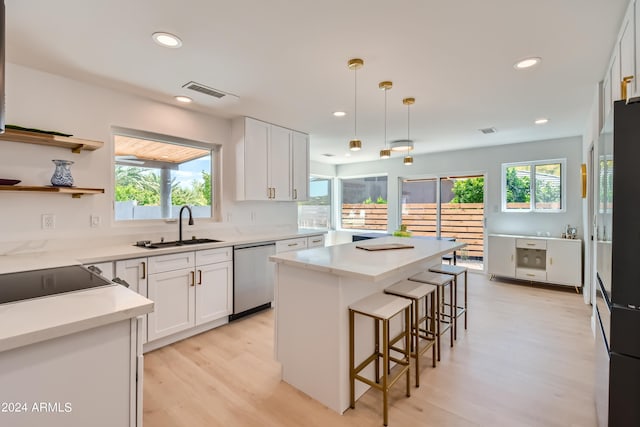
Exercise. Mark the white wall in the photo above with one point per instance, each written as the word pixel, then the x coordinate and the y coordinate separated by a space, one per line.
pixel 488 161
pixel 45 101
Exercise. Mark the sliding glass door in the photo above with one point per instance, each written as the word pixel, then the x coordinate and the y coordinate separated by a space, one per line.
pixel 447 207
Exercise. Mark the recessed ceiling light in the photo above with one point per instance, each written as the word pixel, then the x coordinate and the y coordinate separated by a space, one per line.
pixel 541 121
pixel 527 63
pixel 185 99
pixel 339 113
pixel 167 39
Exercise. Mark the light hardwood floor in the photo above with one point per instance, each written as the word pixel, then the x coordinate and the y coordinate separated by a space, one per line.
pixel 526 360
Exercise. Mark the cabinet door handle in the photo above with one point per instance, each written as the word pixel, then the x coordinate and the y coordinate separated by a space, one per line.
pixel 295 194
pixel 199 277
pixel 550 261
pixel 268 192
pixel 192 275
pixel 144 270
pixel 274 193
pixel 511 257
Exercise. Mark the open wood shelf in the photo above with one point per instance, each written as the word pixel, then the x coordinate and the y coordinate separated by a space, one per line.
pixel 75 144
pixel 75 192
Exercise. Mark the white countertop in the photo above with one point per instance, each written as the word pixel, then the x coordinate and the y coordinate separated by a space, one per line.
pixel 522 236
pixel 34 320
pixel 39 319
pixel 102 253
pixel 347 260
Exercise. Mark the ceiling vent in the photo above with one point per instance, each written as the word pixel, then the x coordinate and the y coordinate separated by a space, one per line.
pixel 198 87
pixel 488 130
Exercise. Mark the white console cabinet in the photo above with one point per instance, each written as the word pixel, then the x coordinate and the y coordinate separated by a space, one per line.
pixel 538 259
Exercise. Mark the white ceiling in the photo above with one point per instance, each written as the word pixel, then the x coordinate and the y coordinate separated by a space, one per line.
pixel 287 62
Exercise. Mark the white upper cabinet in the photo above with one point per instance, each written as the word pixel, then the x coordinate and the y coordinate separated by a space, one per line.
pixel 270 161
pixel 279 163
pixel 254 153
pixel 300 167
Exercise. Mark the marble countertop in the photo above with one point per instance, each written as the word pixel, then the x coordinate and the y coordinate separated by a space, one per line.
pixel 348 260
pixel 112 252
pixel 39 319
pixel 522 236
pixel 34 320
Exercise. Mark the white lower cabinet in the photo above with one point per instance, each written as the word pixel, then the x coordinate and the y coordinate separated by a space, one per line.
pixel 539 259
pixel 191 296
pixel 564 262
pixel 134 272
pixel 502 256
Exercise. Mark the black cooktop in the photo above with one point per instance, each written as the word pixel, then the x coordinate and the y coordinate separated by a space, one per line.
pixel 48 281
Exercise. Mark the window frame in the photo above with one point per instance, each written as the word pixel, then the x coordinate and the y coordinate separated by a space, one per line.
pixel 532 185
pixel 216 161
pixel 332 200
pixel 338 207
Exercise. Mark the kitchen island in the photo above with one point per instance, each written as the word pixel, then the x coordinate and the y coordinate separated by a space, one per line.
pixel 314 289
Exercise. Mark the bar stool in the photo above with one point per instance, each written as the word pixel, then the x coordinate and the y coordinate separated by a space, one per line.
pixel 416 291
pixel 444 317
pixel 381 307
pixel 455 271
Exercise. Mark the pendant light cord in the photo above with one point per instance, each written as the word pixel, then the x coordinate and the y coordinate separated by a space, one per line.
pixel 385 118
pixel 355 103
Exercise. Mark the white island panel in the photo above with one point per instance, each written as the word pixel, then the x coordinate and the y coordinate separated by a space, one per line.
pixel 314 289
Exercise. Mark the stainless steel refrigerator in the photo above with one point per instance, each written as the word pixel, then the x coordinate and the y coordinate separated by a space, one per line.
pixel 618 268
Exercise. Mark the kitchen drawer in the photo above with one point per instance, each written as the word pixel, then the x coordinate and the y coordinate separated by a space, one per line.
pixel 535 274
pixel 315 241
pixel 212 256
pixel 531 243
pixel 162 263
pixel 291 245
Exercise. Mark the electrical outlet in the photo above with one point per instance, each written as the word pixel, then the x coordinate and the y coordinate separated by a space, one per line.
pixel 48 221
pixel 95 221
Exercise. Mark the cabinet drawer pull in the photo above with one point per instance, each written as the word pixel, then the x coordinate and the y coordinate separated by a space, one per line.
pixel 292 244
pixel 192 275
pixel 531 275
pixel 144 270
pixel 316 241
pixel 199 277
pixel 531 244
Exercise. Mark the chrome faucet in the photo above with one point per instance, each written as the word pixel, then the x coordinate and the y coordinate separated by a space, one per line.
pixel 180 220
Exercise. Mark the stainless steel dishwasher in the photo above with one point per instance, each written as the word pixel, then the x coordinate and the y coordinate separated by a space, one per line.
pixel 253 275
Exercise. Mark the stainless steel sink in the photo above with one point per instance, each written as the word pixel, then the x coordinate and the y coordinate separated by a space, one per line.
pixel 174 243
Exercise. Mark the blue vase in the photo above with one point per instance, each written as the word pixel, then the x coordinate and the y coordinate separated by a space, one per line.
pixel 62 175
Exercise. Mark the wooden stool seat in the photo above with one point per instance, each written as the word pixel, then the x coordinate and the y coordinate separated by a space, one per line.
pixel 416 291
pixel 455 271
pixel 381 307
pixel 444 317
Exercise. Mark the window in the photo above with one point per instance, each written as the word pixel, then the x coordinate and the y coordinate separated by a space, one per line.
pixel 316 211
pixel 533 186
pixel 364 203
pixel 155 175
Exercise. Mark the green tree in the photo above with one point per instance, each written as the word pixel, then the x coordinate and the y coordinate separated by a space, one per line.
pixel 518 188
pixel 470 190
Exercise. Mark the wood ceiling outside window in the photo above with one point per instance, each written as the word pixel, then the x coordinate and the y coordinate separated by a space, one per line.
pixel 144 149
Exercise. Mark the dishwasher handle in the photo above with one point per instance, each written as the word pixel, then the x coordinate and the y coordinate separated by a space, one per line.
pixel 253 245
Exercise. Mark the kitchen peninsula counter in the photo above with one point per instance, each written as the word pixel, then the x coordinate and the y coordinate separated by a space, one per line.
pixel 314 289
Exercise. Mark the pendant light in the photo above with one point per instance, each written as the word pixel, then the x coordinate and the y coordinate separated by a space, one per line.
pixel 385 153
pixel 354 64
pixel 408 159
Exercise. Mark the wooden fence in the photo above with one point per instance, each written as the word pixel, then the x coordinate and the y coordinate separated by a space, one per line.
pixel 463 221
